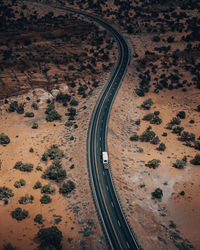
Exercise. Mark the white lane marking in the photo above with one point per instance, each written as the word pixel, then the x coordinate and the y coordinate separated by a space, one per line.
pixel 112 204
pixel 103 173
pixel 127 244
pixel 119 223
pixel 107 187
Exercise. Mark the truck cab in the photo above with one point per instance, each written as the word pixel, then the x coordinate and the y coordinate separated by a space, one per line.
pixel 105 159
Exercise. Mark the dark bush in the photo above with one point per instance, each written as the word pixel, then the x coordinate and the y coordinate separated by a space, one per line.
pixel 147 135
pixel 20 183
pixel 156 39
pixel 20 109
pixel 156 120
pixel 5 193
pixel 181 114
pixel 4 139
pixel 34 106
pixel 48 189
pixel 196 160
pixel 29 114
pixel 187 137
pixel 13 106
pixel 164 134
pixel 19 214
pixel 37 185
pixel 148 117
pixel 67 187
pixel 134 137
pixel 147 103
pixel 39 219
pixel 9 247
pixel 161 147
pixel 63 98
pixel 35 125
pixel 54 153
pixel 52 114
pixel 153 163
pixel 155 140
pixel 74 103
pixel 157 194
pixel 177 130
pixel 26 199
pixel 55 172
pixel 175 121
pixel 23 167
pixel 197 145
pixel 50 238
pixel 45 199
pixel 180 164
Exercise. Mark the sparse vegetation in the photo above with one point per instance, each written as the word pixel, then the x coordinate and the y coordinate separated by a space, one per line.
pixel 35 125
pixel 161 147
pixel 37 185
pixel 29 114
pixel 147 135
pixel 180 164
pixel 52 114
pixel 181 114
pixel 134 137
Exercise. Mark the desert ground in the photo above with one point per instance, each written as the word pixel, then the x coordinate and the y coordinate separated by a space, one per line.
pixel 164 69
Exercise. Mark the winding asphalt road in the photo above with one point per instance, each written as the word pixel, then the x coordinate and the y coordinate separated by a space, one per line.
pixel 114 222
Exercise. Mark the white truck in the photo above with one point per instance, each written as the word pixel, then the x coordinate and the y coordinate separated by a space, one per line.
pixel 105 159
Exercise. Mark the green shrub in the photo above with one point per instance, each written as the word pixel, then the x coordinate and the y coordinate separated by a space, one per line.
pixel 164 134
pixel 20 183
pixel 67 187
pixel 155 140
pixel 161 147
pixel 50 238
pixel 13 106
pixel 177 130
pixel 148 117
pixel 19 214
pixel 39 219
pixel 9 246
pixel 34 106
pixel 39 168
pixel 197 145
pixel 198 108
pixel 156 120
pixel 69 124
pixel 35 125
pixel 5 193
pixel 55 153
pixel 157 194
pixel 29 114
pixel 156 113
pixel 147 103
pixel 4 139
pixel 23 167
pixel 175 121
pixel 45 156
pixel 20 109
pixel 31 150
pixel 181 114
pixel 196 160
pixel 52 114
pixel 188 137
pixel 45 199
pixel 63 98
pixel 180 164
pixel 48 189
pixel 26 199
pixel 134 137
pixel 55 172
pixel 37 185
pixel 147 135
pixel 153 163
pixel 74 103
